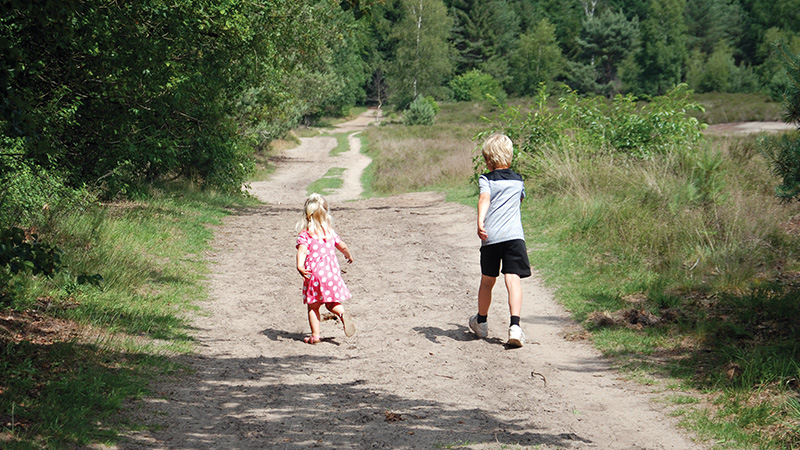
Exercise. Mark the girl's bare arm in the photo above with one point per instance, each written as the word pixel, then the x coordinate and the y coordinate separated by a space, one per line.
pixel 302 250
pixel 342 247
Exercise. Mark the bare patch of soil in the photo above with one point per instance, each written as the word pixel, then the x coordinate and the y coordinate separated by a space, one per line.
pixel 744 128
pixel 412 376
pixel 36 328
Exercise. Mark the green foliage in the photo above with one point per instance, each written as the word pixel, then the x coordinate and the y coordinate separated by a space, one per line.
pixel 21 252
pixel 68 394
pixel 484 34
pixel 718 72
pixel 529 131
pixel 771 72
pixel 537 59
pixel 783 152
pixel 422 58
pixel 476 85
pixel 606 42
pixel 30 194
pixel 791 99
pixel 711 22
pixel 587 125
pixel 421 111
pixel 118 96
pixel 663 51
pixel 719 67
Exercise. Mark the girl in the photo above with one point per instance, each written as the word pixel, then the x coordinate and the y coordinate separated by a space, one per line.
pixel 317 263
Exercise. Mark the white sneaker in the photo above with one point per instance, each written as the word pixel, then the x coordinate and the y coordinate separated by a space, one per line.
pixel 515 336
pixel 480 329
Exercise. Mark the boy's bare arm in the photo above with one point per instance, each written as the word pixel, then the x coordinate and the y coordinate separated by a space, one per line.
pixel 483 208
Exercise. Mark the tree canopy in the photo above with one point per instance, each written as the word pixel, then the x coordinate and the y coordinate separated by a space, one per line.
pixel 108 95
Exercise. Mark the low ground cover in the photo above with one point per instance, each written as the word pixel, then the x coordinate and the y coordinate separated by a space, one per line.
pixel 71 354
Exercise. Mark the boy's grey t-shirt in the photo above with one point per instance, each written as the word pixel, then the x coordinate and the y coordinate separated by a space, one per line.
pixel 506 190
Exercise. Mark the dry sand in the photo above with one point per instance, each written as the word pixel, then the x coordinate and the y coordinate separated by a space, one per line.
pixel 412 376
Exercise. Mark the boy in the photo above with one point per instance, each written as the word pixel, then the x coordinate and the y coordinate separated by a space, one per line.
pixel 502 239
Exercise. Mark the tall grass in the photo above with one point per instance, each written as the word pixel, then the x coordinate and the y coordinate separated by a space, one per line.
pixel 94 347
pixel 737 107
pixel 410 158
pixel 695 238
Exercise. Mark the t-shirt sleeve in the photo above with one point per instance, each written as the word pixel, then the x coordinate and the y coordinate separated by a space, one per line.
pixel 302 239
pixel 483 185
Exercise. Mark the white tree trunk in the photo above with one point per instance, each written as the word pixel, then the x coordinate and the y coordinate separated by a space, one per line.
pixel 588 7
pixel 418 15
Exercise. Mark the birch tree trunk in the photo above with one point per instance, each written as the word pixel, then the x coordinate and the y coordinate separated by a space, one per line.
pixel 418 15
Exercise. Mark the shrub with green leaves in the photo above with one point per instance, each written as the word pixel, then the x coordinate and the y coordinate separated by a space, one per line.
pixel 475 86
pixel 421 111
pixel 21 252
pixel 540 126
pixel 591 124
pixel 783 152
pixel 30 194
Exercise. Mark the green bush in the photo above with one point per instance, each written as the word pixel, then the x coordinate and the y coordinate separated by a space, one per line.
pixel 475 86
pixel 589 125
pixel 21 252
pixel 30 194
pixel 783 152
pixel 421 111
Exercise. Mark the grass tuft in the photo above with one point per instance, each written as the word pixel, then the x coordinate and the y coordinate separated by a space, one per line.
pixel 329 182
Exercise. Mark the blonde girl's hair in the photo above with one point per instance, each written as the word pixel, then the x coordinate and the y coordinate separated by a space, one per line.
pixel 316 217
pixel 498 150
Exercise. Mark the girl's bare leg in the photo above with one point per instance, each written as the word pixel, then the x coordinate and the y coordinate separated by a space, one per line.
pixel 335 308
pixel 313 318
pixel 347 321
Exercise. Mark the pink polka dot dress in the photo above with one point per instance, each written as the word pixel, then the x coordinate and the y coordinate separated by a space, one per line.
pixel 325 284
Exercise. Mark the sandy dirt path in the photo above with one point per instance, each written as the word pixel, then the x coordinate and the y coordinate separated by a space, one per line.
pixel 412 376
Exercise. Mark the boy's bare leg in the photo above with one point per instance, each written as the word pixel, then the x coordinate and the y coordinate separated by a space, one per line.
pixel 514 286
pixel 485 294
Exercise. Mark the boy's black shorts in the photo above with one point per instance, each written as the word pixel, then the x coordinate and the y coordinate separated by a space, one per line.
pixel 513 255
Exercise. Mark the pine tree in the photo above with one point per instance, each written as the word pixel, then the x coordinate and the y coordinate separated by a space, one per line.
pixel 663 47
pixel 783 152
pixel 605 41
pixel 712 21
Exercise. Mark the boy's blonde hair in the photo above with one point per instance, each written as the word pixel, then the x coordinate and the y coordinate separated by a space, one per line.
pixel 498 150
pixel 316 217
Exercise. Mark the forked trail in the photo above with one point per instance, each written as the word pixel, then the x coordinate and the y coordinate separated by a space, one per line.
pixel 412 376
